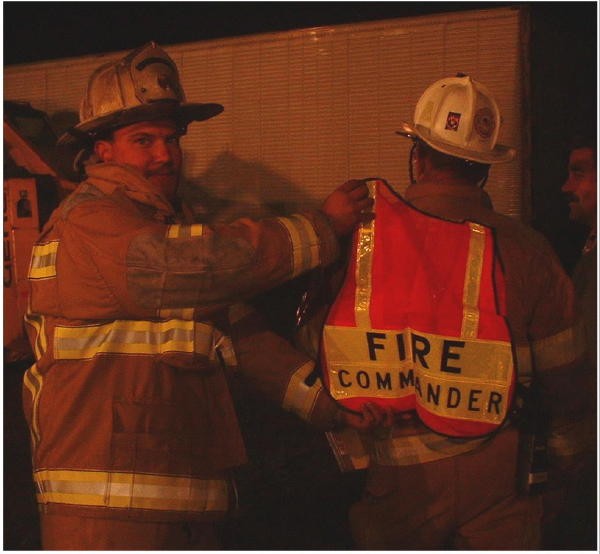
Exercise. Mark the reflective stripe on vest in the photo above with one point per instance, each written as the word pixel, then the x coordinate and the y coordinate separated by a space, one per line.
pixel 418 322
pixel 131 490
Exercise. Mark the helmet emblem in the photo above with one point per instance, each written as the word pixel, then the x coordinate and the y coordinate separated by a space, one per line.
pixel 452 121
pixel 165 82
pixel 484 122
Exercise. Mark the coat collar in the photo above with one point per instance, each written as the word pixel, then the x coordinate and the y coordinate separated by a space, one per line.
pixel 110 177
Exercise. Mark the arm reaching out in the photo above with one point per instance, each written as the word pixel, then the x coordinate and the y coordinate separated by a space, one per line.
pixel 348 205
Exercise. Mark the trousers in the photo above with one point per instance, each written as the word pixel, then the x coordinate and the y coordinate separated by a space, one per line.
pixel 61 532
pixel 464 502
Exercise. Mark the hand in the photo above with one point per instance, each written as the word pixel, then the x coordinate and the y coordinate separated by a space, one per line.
pixel 348 205
pixel 370 417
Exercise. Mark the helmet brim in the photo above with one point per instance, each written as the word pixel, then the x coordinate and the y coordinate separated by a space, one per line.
pixel 181 113
pixel 499 154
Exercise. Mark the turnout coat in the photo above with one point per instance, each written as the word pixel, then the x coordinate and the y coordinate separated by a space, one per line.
pixel 134 317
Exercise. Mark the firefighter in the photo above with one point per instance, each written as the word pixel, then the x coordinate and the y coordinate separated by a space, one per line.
pixel 571 505
pixel 136 317
pixel 447 309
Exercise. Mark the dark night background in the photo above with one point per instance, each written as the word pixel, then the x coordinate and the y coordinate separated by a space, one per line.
pixel 563 60
pixel 293 495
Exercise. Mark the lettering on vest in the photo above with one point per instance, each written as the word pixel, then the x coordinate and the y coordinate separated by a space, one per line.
pixel 449 376
pixel 421 347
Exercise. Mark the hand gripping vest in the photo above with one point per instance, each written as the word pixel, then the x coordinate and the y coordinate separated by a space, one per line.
pixel 418 323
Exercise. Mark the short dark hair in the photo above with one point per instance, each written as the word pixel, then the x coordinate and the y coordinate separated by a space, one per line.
pixel 583 139
pixel 466 169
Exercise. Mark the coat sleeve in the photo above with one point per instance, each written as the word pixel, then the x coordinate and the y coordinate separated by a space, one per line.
pixel 272 366
pixel 132 266
pixel 557 351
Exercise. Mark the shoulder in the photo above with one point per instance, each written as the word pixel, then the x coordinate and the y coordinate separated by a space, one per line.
pixel 91 210
pixel 520 238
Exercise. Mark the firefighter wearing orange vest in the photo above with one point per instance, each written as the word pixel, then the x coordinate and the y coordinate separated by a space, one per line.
pixel 445 308
pixel 135 313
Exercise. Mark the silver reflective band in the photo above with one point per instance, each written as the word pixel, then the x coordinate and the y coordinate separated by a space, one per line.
pixel 131 490
pixel 305 243
pixel 43 261
pixel 132 337
pixel 299 397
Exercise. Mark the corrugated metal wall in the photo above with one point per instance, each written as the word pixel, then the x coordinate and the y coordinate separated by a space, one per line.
pixel 306 110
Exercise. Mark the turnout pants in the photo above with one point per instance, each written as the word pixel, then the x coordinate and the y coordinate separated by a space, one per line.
pixel 60 532
pixel 464 502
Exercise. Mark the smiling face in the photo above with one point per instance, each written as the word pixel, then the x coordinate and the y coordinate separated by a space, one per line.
pixel 151 147
pixel 581 186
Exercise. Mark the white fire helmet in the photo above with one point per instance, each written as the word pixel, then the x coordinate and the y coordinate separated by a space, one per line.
pixel 459 117
pixel 142 86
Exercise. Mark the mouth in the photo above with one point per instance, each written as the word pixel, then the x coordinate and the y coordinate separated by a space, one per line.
pixel 572 199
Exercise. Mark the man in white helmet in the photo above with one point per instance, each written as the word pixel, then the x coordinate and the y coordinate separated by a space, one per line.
pixel 132 315
pixel 445 474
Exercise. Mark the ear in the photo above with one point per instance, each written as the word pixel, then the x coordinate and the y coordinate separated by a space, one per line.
pixel 419 162
pixel 103 149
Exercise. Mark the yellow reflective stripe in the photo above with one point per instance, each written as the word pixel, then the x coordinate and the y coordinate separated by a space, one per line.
pixel 419 449
pixel 40 344
pixel 196 230
pixel 524 363
pixel 381 349
pixel 560 349
pixel 33 381
pixel 224 346
pixel 179 231
pixel 470 323
pixel 131 490
pixel 305 243
pixel 132 337
pixel 463 379
pixel 365 247
pixel 462 399
pixel 176 313
pixel 43 261
pixel 299 397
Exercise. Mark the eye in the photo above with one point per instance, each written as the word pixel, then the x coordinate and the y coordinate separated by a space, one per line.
pixel 142 141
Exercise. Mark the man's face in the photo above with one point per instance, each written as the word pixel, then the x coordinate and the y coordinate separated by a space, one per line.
pixel 150 146
pixel 581 186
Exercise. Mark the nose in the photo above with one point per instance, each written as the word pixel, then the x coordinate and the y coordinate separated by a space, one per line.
pixel 567 186
pixel 161 152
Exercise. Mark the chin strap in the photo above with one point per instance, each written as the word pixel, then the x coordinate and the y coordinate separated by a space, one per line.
pixel 410 162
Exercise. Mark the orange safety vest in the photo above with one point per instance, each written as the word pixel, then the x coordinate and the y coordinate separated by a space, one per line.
pixel 419 321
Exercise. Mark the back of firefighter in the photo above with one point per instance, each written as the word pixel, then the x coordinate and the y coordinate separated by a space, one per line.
pixel 133 311
pixel 428 490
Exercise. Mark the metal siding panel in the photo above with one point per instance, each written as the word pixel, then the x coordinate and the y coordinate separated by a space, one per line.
pixel 27 86
pixel 305 110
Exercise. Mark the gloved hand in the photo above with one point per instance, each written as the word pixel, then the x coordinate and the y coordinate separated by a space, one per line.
pixel 348 205
pixel 371 416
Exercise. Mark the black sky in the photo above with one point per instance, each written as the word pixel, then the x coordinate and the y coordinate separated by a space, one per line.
pixel 36 31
